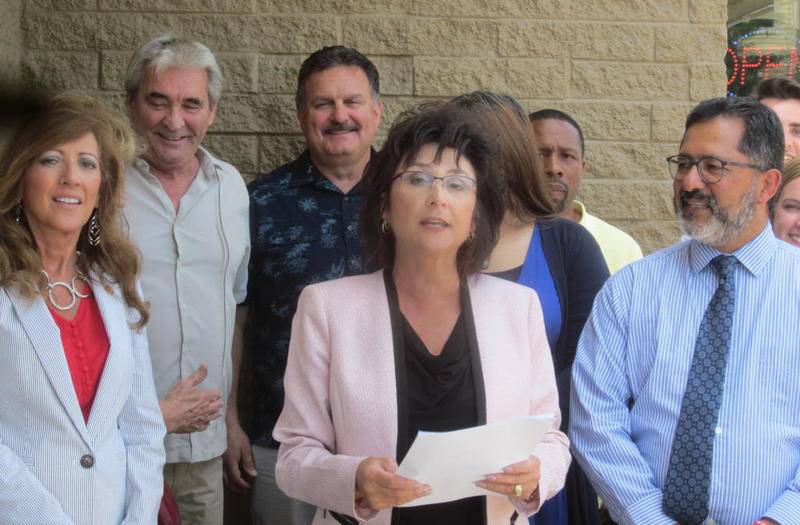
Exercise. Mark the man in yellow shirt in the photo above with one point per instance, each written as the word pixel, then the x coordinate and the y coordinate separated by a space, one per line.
pixel 562 150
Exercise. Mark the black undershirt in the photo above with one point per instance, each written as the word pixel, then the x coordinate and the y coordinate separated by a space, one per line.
pixel 441 397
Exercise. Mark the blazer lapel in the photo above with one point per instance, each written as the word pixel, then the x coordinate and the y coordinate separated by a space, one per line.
pixel 45 337
pixel 112 381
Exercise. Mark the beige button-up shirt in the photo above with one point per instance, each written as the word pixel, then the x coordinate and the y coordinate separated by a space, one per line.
pixel 194 273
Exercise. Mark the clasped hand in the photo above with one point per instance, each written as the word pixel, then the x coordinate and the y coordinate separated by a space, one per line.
pixel 379 487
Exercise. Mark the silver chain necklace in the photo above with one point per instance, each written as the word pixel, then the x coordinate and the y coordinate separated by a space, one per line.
pixel 69 287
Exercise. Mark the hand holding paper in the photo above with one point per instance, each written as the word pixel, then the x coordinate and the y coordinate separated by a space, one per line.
pixel 452 462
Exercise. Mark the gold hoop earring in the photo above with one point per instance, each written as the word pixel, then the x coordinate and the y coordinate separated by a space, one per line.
pixel 18 213
pixel 470 237
pixel 386 227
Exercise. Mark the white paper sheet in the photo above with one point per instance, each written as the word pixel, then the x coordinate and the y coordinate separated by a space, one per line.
pixel 451 462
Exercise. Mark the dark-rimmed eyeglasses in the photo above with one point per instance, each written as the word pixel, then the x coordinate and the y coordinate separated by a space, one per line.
pixel 455 185
pixel 710 169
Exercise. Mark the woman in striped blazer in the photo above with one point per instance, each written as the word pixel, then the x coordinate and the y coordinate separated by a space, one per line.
pixel 81 434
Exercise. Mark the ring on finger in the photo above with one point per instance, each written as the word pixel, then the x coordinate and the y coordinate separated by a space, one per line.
pixel 518 490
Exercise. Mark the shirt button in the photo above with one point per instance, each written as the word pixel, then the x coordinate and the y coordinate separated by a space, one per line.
pixel 87 461
pixel 350 227
pixel 718 431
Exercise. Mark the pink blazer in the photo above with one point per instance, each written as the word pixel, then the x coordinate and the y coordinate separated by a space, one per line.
pixel 341 393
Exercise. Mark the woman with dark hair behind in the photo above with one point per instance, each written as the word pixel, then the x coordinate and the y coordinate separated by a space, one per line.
pixel 81 434
pixel 556 257
pixel 427 343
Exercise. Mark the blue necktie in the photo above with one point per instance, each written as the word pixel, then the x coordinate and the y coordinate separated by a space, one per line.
pixel 685 494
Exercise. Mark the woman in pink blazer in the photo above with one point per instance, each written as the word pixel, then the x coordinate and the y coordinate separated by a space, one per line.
pixel 425 344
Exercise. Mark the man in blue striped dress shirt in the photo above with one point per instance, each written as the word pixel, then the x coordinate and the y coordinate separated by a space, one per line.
pixel 643 376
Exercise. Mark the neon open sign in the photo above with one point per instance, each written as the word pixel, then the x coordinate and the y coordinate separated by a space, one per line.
pixel 782 61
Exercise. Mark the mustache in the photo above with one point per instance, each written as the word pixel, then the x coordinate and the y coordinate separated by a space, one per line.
pixel 684 198
pixel 344 126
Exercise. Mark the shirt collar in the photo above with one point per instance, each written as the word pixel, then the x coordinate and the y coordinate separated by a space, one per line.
pixel 207 166
pixel 753 255
pixel 580 209
pixel 306 173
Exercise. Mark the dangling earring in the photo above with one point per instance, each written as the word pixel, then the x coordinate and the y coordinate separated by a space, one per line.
pixel 470 237
pixel 18 213
pixel 386 227
pixel 94 230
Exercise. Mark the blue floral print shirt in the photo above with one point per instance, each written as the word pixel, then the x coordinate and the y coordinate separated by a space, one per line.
pixel 303 230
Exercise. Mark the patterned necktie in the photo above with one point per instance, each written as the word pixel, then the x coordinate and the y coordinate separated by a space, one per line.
pixel 685 494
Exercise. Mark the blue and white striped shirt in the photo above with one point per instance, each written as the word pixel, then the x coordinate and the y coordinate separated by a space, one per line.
pixel 630 375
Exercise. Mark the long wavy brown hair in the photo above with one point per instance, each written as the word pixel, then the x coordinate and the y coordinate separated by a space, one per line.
pixel 114 260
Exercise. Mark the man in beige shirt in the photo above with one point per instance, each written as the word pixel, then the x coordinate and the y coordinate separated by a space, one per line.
pixel 188 214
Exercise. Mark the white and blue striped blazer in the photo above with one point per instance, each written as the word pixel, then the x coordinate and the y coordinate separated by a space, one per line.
pixel 54 467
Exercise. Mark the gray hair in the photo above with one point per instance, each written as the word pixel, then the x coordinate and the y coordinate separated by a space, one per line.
pixel 762 140
pixel 167 51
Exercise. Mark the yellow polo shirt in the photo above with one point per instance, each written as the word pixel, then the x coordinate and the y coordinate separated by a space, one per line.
pixel 619 248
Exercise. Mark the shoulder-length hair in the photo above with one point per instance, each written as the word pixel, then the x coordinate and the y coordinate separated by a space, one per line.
pixel 515 151
pixel 63 119
pixel 446 127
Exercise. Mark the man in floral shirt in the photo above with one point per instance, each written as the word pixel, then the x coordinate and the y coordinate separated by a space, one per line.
pixel 304 228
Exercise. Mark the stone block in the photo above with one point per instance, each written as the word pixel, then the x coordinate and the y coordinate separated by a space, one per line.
pixel 601 120
pixel 60 70
pixel 691 42
pixel 53 30
pixel 421 36
pixel 115 100
pixel 633 10
pixel 118 31
pixel 178 6
pixel 668 120
pixel 392 107
pixel 707 81
pixel 334 7
pixel 438 77
pixel 601 41
pixel 278 73
pixel 276 150
pixel 652 235
pixel 396 74
pixel 493 9
pixel 375 36
pixel 246 113
pixel 113 66
pixel 66 5
pixel 239 71
pixel 708 11
pixel 241 151
pixel 628 160
pixel 618 81
pixel 268 34
pixel 628 199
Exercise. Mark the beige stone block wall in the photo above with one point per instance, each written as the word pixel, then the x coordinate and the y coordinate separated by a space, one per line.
pixel 628 70
pixel 10 52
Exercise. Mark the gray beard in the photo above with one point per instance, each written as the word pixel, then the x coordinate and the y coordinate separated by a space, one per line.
pixel 722 225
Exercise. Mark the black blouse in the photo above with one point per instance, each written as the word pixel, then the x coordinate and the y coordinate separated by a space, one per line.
pixel 441 396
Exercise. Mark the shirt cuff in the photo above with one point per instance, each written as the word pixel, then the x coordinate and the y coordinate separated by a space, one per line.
pixel 786 509
pixel 647 510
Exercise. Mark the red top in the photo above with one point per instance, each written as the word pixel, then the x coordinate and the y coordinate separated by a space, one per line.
pixel 86 347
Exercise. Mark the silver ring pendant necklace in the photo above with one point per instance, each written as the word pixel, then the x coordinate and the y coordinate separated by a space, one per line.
pixel 69 287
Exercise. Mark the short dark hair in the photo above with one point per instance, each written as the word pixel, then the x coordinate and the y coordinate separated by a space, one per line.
pixel 762 140
pixel 555 114
pixel 333 56
pixel 444 126
pixel 780 88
